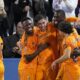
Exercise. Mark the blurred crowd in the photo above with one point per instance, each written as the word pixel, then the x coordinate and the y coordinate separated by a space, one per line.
pixel 16 9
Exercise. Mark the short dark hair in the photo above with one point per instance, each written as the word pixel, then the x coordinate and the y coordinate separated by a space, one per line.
pixel 60 14
pixel 25 19
pixel 65 27
pixel 39 17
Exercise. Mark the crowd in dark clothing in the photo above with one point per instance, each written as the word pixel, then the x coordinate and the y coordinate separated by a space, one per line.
pixel 78 8
pixel 16 9
pixel 9 43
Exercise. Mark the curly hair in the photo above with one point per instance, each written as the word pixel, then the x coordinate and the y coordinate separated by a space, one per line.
pixel 65 27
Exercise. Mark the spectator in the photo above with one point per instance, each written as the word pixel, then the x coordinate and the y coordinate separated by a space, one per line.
pixel 79 3
pixel 38 7
pixel 2 17
pixel 15 10
pixel 10 48
pixel 2 10
pixel 48 9
pixel 9 21
pixel 68 6
pixel 42 7
pixel 78 8
pixel 21 8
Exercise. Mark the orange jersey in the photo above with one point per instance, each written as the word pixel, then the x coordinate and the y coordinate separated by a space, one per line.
pixel 69 42
pixel 39 68
pixel 69 71
pixel 72 69
pixel 47 56
pixel 29 45
pixel 1 45
pixel 50 35
pixel 1 61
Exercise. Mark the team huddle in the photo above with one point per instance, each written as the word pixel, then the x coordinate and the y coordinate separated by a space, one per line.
pixel 49 50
